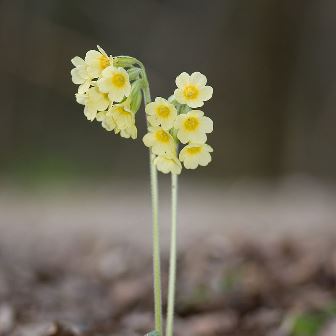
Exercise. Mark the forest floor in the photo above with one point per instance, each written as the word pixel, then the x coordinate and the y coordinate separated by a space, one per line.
pixel 253 261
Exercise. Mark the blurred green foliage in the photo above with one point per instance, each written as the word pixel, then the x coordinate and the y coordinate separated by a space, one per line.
pixel 310 324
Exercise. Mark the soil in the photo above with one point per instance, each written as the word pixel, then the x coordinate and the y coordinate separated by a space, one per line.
pixel 238 288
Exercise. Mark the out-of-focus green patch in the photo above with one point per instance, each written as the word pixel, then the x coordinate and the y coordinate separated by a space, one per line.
pixel 310 324
pixel 231 280
pixel 307 324
pixel 200 294
pixel 52 170
pixel 41 171
pixel 331 309
pixel 153 333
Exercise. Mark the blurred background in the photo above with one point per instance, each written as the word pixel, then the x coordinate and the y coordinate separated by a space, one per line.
pixel 271 63
pixel 65 182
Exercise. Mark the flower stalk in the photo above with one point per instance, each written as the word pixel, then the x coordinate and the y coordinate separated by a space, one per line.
pixel 156 248
pixel 156 228
pixel 173 258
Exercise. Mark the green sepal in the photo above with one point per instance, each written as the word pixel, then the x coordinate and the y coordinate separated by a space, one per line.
pixel 124 61
pixel 133 73
pixel 183 109
pixel 135 97
pixel 136 102
pixel 172 99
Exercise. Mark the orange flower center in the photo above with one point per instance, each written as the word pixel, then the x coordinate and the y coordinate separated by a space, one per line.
pixel 122 112
pixel 162 136
pixel 104 62
pixel 190 92
pixel 194 150
pixel 118 80
pixel 191 124
pixel 163 111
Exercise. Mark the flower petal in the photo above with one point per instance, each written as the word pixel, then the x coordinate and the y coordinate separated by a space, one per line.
pixel 198 78
pixel 101 50
pixel 76 76
pixel 84 87
pixel 92 55
pixel 206 93
pixel 195 103
pixel 182 80
pixel 148 139
pixel 77 61
pixel 204 158
pixel 207 125
pixel 178 94
pixel 90 113
pixel 208 148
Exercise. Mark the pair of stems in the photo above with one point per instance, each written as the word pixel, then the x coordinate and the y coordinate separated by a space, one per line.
pixel 156 237
pixel 156 254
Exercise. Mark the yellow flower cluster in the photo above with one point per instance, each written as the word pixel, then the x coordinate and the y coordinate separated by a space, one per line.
pixel 106 91
pixel 110 88
pixel 174 120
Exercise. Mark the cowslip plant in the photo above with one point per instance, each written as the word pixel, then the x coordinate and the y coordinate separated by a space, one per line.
pixel 111 90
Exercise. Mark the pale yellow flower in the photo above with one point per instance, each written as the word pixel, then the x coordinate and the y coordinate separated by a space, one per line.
pixel 94 101
pixel 97 61
pixel 168 164
pixel 80 75
pixel 122 115
pixel 193 126
pixel 115 82
pixel 128 132
pixel 193 155
pixel 160 141
pixel 161 112
pixel 120 120
pixel 192 89
pixel 124 120
pixel 107 120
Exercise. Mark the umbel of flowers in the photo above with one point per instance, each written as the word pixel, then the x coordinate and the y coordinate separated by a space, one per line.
pixel 111 90
pixel 110 93
pixel 174 121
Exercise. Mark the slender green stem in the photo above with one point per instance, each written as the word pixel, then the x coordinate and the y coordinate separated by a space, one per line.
pixel 156 228
pixel 156 248
pixel 172 261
